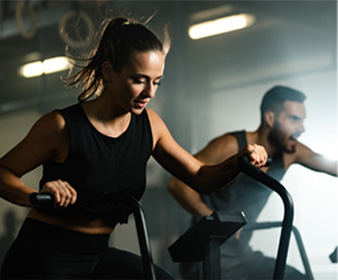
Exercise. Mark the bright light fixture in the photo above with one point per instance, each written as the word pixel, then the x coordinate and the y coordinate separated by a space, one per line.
pixel 48 66
pixel 33 69
pixel 221 25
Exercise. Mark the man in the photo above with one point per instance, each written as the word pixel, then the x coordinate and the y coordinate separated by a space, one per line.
pixel 282 122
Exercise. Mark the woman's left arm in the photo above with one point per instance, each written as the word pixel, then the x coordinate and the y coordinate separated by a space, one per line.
pixel 181 164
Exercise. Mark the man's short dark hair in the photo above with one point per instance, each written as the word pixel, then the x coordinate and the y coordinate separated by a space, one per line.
pixel 275 97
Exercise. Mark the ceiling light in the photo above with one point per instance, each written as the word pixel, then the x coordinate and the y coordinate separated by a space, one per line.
pixel 48 66
pixel 55 64
pixel 33 69
pixel 221 25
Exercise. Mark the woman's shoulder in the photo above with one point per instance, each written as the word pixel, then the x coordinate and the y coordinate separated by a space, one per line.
pixel 150 112
pixel 57 118
pixel 158 127
pixel 154 118
pixel 51 125
pixel 50 121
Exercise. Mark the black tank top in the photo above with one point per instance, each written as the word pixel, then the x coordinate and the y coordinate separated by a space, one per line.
pixel 245 194
pixel 97 163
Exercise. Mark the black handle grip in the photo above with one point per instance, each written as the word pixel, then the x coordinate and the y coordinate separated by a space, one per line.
pixel 47 199
pixel 41 199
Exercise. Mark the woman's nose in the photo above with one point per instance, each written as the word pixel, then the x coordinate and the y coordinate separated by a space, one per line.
pixel 150 90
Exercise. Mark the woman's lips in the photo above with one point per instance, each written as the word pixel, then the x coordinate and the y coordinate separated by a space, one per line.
pixel 141 104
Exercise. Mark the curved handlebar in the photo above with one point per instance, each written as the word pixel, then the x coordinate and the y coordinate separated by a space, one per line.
pixel 268 162
pixel 257 174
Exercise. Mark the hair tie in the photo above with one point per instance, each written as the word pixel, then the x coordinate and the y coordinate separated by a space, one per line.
pixel 126 23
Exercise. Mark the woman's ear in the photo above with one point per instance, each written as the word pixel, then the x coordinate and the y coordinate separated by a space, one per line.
pixel 107 71
pixel 269 118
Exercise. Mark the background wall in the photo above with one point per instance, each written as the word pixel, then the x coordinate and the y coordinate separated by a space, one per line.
pixel 211 86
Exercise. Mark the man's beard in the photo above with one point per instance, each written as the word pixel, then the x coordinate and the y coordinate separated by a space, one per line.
pixel 276 137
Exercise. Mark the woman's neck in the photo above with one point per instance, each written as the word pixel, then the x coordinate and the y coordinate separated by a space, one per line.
pixel 106 118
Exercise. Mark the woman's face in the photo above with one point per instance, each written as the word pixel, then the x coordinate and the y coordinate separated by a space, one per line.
pixel 135 85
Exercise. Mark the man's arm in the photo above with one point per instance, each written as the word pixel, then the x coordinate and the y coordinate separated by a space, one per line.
pixel 215 152
pixel 314 161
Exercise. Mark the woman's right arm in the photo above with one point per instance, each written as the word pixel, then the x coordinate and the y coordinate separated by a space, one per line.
pixel 47 140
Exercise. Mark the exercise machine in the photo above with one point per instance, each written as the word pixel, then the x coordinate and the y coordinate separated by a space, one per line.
pixel 298 239
pixel 211 249
pixel 47 200
pixel 203 240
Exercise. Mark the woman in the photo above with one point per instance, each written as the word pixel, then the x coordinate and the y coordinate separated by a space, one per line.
pixel 100 144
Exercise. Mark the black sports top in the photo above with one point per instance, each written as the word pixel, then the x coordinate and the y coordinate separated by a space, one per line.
pixel 97 163
pixel 245 194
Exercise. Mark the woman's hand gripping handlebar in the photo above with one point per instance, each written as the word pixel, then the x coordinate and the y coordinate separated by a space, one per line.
pixel 254 157
pixel 46 199
pixel 57 193
pixel 243 163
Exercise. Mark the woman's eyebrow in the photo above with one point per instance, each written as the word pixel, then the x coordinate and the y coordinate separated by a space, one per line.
pixel 147 77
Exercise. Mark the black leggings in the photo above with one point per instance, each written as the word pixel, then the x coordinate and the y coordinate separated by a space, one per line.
pixel 42 251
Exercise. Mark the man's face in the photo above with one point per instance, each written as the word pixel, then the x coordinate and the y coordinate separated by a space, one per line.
pixel 288 126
